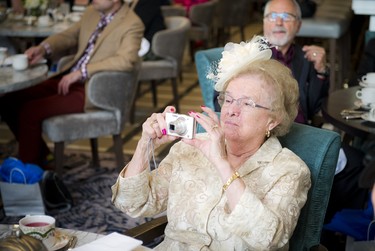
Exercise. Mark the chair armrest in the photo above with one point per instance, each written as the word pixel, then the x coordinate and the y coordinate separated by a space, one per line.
pixel 63 61
pixel 147 232
pixel 173 10
pixel 319 247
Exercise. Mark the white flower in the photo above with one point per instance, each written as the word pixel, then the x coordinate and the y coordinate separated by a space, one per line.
pixel 236 56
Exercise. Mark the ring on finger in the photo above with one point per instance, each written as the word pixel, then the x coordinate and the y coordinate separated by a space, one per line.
pixel 314 54
pixel 153 122
pixel 214 126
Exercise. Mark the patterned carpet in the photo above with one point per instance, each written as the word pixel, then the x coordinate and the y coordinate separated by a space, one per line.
pixel 91 191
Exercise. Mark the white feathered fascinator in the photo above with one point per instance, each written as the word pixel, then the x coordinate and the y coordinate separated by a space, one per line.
pixel 236 56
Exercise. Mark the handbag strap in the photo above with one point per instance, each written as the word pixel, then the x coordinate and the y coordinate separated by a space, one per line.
pixel 18 170
pixel 368 229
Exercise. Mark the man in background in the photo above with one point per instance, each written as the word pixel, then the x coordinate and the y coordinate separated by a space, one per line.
pixel 281 23
pixel 107 38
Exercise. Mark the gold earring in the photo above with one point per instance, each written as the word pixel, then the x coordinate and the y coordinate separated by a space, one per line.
pixel 268 133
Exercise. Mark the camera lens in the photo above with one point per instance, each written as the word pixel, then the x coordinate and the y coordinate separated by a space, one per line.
pixel 178 126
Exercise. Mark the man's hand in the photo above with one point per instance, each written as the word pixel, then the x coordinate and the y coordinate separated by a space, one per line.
pixel 35 54
pixel 317 55
pixel 67 81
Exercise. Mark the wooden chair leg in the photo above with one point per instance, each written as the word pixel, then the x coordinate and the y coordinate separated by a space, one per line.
pixel 242 29
pixel 117 141
pixel 191 50
pixel 59 157
pixel 94 152
pixel 154 93
pixel 175 94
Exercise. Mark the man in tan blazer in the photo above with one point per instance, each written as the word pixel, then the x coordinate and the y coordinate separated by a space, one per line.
pixel 107 38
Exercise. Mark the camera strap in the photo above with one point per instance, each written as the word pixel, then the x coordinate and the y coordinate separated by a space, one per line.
pixel 151 145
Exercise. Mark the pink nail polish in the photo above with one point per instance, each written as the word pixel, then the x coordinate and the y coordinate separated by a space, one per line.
pixel 172 109
pixel 198 116
pixel 164 132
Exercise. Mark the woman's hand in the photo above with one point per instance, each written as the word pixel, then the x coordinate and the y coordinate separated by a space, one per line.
pixel 155 128
pixel 214 148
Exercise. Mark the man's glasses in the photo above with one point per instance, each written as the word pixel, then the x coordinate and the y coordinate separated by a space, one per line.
pixel 285 16
pixel 245 104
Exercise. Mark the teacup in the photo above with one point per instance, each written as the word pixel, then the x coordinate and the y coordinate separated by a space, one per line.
pixel 38 226
pixel 30 20
pixel 74 16
pixel 20 62
pixel 367 95
pixel 369 78
pixel 44 21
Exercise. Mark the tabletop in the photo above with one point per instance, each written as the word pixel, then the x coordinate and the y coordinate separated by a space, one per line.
pixel 83 237
pixel 346 99
pixel 12 80
pixel 19 28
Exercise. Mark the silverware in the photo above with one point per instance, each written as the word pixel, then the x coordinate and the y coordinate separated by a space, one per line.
pixel 349 112
pixel 359 116
pixel 72 242
pixel 70 245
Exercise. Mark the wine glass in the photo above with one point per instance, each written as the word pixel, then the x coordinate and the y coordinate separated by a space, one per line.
pixel 3 55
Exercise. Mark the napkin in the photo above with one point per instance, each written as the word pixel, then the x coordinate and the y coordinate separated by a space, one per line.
pixel 111 242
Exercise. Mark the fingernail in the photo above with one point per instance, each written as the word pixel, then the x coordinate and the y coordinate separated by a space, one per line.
pixel 164 132
pixel 172 109
pixel 198 116
pixel 203 106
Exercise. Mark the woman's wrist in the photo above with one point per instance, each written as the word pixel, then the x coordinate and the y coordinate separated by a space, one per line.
pixel 323 73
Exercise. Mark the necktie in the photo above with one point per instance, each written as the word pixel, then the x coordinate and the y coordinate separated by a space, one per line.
pixel 103 22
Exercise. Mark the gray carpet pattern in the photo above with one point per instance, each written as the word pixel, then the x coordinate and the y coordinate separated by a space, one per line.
pixel 91 191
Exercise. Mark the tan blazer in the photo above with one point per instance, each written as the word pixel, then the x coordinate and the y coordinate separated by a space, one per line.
pixel 116 49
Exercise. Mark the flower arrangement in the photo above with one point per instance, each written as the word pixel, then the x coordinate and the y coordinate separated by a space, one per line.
pixel 36 7
pixel 236 56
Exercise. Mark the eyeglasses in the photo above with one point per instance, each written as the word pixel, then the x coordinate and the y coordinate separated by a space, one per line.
pixel 245 104
pixel 285 16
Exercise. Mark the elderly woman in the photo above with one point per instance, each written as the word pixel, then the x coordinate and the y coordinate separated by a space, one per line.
pixel 234 187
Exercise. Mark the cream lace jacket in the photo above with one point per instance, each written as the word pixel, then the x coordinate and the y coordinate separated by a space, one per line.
pixel 190 189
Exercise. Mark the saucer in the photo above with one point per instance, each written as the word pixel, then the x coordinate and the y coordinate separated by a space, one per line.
pixel 366 117
pixel 359 103
pixel 44 24
pixel 9 61
pixel 366 84
pixel 59 240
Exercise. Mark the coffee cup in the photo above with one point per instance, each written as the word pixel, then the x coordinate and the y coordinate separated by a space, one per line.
pixel 367 95
pixel 44 21
pixel 369 78
pixel 20 62
pixel 38 226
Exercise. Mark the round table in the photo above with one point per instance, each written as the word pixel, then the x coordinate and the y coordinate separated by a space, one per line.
pixel 346 99
pixel 12 80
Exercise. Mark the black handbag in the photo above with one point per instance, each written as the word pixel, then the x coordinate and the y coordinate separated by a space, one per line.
pixel 56 195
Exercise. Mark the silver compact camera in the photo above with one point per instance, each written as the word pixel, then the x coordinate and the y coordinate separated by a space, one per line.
pixel 180 125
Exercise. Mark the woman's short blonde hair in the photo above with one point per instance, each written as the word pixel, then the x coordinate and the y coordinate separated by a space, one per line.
pixel 285 96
